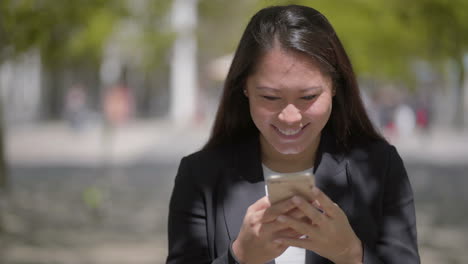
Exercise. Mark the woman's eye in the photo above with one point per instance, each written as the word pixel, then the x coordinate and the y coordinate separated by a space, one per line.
pixel 270 98
pixel 309 97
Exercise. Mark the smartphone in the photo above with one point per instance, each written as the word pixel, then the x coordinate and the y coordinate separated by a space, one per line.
pixel 284 186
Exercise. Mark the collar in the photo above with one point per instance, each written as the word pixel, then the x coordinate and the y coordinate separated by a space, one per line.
pixel 246 157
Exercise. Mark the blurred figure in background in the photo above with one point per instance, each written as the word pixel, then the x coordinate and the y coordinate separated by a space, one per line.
pixel 118 104
pixel 76 106
pixel 405 120
pixel 423 112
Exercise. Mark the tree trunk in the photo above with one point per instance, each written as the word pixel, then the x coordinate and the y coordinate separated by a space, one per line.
pixel 52 93
pixel 459 120
pixel 3 166
pixel 3 185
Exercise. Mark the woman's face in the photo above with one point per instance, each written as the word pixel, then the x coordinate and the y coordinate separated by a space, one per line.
pixel 290 101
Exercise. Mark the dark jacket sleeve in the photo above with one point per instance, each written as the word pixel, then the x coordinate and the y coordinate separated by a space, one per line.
pixel 188 233
pixel 397 241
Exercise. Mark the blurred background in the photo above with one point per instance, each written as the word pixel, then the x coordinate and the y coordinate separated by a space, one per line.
pixel 100 99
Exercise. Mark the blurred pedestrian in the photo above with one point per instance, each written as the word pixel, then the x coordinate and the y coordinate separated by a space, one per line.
pixel 118 104
pixel 291 104
pixel 76 106
pixel 405 121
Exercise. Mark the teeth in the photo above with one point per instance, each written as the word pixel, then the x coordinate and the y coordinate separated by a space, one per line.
pixel 289 132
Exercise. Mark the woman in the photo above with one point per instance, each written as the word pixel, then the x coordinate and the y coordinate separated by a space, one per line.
pixel 291 103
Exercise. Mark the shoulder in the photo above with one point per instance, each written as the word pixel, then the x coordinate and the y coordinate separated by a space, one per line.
pixel 378 170
pixel 377 160
pixel 379 151
pixel 231 154
pixel 217 156
pixel 204 165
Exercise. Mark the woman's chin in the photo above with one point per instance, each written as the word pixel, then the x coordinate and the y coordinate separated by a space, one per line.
pixel 289 150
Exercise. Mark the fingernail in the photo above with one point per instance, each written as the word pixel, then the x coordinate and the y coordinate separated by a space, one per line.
pixel 278 241
pixel 296 200
pixel 281 218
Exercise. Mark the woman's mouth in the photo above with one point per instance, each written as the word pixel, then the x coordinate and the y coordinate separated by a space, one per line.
pixel 290 133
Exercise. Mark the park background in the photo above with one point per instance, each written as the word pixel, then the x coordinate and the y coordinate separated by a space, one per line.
pixel 100 99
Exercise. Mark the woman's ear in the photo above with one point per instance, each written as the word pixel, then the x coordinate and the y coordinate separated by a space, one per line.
pixel 333 91
pixel 246 93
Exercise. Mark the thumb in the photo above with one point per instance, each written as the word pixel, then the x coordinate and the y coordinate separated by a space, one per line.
pixel 261 204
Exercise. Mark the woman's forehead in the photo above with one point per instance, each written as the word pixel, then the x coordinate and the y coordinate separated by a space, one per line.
pixel 278 66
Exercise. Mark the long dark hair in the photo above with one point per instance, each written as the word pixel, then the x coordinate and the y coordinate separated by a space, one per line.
pixel 297 29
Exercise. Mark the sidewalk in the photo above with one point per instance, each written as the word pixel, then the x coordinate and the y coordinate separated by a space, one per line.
pixel 54 143
pixel 439 146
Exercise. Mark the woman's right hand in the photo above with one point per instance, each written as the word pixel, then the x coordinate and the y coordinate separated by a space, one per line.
pixel 256 242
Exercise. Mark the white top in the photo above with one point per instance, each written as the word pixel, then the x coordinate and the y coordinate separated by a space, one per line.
pixel 292 255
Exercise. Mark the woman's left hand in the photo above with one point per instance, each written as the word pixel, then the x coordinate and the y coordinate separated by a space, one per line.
pixel 328 232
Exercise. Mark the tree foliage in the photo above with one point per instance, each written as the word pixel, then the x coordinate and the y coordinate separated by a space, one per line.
pixel 221 24
pixel 63 31
pixel 152 36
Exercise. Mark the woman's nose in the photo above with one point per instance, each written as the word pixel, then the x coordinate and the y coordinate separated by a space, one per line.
pixel 290 114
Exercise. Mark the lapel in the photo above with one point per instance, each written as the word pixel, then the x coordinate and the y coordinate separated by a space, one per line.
pixel 243 182
pixel 243 185
pixel 332 177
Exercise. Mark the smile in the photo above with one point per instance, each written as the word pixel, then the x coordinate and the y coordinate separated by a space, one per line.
pixel 290 132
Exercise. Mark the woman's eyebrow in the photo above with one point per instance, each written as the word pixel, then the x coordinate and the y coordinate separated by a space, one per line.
pixel 312 88
pixel 265 88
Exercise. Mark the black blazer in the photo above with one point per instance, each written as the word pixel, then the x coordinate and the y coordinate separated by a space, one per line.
pixel 214 187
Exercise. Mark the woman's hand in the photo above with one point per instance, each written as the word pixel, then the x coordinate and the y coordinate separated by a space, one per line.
pixel 257 240
pixel 328 231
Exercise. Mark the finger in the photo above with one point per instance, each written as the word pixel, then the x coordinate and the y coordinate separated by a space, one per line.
pixel 256 217
pixel 296 213
pixel 272 212
pixel 299 226
pixel 260 204
pixel 326 204
pixel 273 227
pixel 288 233
pixel 295 242
pixel 310 211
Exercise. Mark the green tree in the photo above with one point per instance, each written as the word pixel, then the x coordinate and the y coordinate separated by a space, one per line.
pixel 64 32
pixel 67 34
pixel 222 21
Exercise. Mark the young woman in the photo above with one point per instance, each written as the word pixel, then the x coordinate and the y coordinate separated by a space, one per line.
pixel 291 103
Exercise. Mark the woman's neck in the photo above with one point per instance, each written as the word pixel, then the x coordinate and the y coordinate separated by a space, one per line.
pixel 285 163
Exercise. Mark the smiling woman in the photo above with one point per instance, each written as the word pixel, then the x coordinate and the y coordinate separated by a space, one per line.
pixel 291 104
